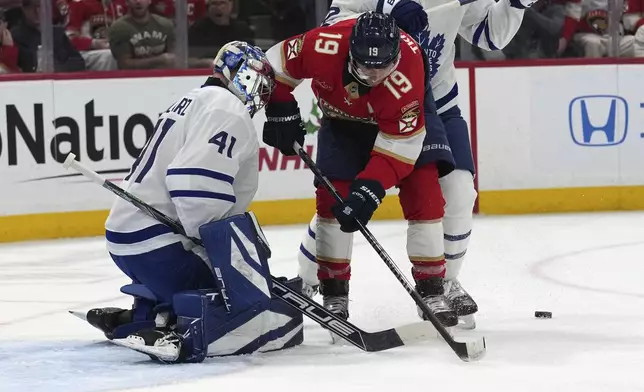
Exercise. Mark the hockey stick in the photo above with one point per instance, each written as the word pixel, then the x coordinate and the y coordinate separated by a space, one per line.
pixel 367 341
pixel 448 6
pixel 469 351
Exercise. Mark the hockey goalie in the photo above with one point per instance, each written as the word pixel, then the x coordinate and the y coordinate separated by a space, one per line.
pixel 200 168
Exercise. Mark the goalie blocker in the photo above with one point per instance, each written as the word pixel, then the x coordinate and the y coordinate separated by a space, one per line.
pixel 191 325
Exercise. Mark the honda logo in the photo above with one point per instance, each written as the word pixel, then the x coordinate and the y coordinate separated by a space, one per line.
pixel 598 120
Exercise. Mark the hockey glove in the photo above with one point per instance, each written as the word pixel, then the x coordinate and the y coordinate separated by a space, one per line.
pixel 410 16
pixel 364 197
pixel 283 126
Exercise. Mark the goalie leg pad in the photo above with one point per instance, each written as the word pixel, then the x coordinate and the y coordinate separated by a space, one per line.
pixel 207 330
pixel 239 256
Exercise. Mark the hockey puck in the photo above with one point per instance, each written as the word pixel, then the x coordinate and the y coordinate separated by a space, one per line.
pixel 542 314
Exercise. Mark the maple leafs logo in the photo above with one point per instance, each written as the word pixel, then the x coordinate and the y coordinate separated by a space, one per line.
pixel 433 48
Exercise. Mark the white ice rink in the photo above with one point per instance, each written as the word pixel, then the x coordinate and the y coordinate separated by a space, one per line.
pixel 587 269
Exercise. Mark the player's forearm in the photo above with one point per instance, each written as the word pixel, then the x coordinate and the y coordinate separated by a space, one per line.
pixel 497 24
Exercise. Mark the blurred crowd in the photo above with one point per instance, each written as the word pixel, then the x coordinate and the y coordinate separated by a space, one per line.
pixel 104 35
pixel 101 35
pixel 573 28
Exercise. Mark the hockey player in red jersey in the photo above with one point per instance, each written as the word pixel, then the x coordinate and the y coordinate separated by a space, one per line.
pixel 369 79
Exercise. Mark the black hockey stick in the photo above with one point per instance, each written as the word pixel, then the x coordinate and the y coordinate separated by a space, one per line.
pixel 367 341
pixel 469 351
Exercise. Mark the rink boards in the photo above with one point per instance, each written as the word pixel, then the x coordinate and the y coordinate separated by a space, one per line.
pixel 545 138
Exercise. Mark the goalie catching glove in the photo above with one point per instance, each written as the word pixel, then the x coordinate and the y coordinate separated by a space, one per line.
pixel 364 198
pixel 283 126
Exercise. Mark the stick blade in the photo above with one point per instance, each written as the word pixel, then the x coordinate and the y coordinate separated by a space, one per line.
pixel 472 350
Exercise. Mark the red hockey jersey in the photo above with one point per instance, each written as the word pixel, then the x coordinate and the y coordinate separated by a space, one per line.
pixel 395 105
pixel 196 9
pixel 89 19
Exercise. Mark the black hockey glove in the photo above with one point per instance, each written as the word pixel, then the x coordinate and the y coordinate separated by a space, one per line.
pixel 410 16
pixel 283 126
pixel 364 197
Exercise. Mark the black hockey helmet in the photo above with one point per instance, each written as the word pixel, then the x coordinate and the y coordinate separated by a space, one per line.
pixel 374 48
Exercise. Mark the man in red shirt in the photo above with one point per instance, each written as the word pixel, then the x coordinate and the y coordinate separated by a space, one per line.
pixel 370 83
pixel 87 23
pixel 196 9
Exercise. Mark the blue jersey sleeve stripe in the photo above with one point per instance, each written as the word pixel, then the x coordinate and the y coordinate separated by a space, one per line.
pixel 453 93
pixel 189 171
pixel 203 195
pixel 479 30
pixel 134 237
pixel 490 44
pixel 380 6
pixel 311 233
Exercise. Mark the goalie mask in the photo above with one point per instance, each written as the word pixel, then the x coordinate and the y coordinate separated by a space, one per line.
pixel 248 74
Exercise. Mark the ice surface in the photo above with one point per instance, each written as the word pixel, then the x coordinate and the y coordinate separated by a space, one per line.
pixel 585 268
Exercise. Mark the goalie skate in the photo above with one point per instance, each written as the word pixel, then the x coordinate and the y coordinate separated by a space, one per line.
pixel 462 303
pixel 163 346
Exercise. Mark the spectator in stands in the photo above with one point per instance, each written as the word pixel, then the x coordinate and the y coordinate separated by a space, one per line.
pixel 12 12
pixel 591 32
pixel 86 24
pixel 196 9
pixel 540 32
pixel 142 40
pixel 634 24
pixel 218 27
pixel 288 18
pixel 26 36
pixel 8 52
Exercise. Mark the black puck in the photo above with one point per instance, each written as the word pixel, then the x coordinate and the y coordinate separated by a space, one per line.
pixel 542 314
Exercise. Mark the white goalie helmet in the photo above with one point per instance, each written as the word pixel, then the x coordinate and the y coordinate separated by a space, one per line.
pixel 248 73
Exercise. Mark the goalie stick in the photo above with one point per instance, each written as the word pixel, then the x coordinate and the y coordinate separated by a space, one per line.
pixel 367 341
pixel 468 351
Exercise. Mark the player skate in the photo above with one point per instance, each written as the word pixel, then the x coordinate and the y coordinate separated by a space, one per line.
pixel 432 292
pixel 310 290
pixel 462 303
pixel 335 298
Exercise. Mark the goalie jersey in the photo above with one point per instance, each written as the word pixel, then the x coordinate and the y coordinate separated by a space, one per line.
pixel 200 165
pixel 488 24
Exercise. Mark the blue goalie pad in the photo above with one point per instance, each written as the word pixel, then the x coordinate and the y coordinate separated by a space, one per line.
pixel 208 330
pixel 237 252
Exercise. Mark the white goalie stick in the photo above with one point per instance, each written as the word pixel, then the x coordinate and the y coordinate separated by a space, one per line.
pixel 468 351
pixel 367 341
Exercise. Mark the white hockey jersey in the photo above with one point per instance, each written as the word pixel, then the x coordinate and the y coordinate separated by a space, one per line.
pixel 200 165
pixel 487 24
